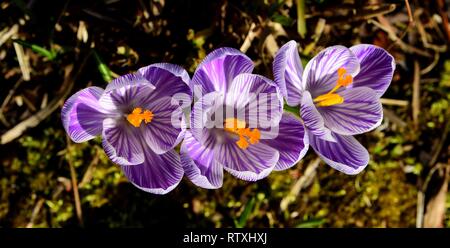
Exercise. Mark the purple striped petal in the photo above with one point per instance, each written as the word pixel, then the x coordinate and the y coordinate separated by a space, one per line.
pixel 360 112
pixel 167 127
pixel 257 98
pixel 82 115
pixel 202 122
pixel 346 155
pixel 219 68
pixel 122 100
pixel 320 74
pixel 168 79
pixel 199 163
pixel 122 143
pixel 377 68
pixel 288 71
pixel 291 142
pixel 131 79
pixel 251 164
pixel 158 174
pixel 312 119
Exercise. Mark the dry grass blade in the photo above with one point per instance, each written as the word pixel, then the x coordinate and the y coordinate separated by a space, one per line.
pixel 24 62
pixel 297 187
pixel 394 102
pixel 36 210
pixel 5 36
pixel 253 32
pixel 435 213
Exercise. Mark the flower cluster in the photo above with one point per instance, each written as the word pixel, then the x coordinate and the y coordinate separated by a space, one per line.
pixel 227 118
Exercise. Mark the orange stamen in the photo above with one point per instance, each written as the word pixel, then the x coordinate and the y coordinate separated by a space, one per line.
pixel 246 136
pixel 136 117
pixel 330 98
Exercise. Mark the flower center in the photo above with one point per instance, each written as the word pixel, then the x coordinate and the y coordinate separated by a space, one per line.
pixel 332 98
pixel 137 116
pixel 246 136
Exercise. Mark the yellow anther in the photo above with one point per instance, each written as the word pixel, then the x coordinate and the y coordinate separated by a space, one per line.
pixel 136 117
pixel 331 98
pixel 246 136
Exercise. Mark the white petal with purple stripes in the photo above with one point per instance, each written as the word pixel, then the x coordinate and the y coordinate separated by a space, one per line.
pixel 360 112
pixel 158 174
pixel 122 142
pixel 312 119
pixel 257 98
pixel 125 98
pixel 291 141
pixel 219 68
pixel 199 163
pixel 169 80
pixel 251 164
pixel 131 79
pixel 377 68
pixel 320 75
pixel 167 127
pixel 346 155
pixel 288 71
pixel 82 116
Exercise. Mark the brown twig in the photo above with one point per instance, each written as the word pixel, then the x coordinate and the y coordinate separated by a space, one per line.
pixel 445 22
pixel 424 36
pixel 73 176
pixel 411 24
pixel 387 27
pixel 394 118
pixel 87 177
pixel 410 16
pixel 354 15
pixel 297 187
pixel 433 64
pixel 416 95
pixel 440 145
pixel 70 76
pixel 6 101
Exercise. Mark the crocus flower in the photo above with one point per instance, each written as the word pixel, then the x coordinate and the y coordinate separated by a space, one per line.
pixel 338 93
pixel 135 116
pixel 248 143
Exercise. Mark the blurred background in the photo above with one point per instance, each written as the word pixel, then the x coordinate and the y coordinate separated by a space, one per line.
pixel 51 49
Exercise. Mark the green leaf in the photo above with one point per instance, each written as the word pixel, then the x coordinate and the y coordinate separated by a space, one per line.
pixel 311 223
pixel 245 214
pixel 50 54
pixel 103 68
pixel 283 20
pixel 294 110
